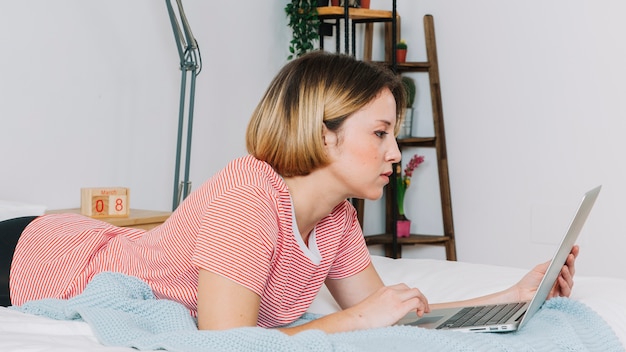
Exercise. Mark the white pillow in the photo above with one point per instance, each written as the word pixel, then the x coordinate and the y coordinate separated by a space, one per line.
pixel 11 210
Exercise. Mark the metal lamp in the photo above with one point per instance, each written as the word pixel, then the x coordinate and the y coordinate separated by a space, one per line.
pixel 190 65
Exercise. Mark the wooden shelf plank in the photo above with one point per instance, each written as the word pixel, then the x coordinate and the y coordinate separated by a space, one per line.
pixel 413 66
pixel 417 142
pixel 411 240
pixel 353 13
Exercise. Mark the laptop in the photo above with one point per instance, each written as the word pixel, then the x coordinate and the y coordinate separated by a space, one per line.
pixel 511 316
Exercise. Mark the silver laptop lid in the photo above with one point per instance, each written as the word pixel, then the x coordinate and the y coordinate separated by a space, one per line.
pixel 562 252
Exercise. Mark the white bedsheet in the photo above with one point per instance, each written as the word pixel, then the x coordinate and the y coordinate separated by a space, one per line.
pixel 439 280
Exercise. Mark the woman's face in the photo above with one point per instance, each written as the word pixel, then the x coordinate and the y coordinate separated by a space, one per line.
pixel 364 149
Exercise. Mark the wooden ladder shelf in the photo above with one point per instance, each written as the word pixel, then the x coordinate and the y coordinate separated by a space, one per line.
pixel 390 241
pixel 393 244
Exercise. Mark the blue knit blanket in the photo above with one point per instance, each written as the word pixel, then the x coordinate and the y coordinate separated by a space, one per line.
pixel 122 311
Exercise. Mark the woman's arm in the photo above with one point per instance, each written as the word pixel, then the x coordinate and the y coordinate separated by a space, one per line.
pixel 371 304
pixel 525 289
pixel 225 304
pixel 366 303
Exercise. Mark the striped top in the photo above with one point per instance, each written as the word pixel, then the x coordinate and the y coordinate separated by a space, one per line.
pixel 238 224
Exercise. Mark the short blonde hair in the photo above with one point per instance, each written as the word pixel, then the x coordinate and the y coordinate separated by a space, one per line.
pixel 316 89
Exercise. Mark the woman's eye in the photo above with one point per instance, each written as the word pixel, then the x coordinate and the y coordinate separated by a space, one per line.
pixel 380 134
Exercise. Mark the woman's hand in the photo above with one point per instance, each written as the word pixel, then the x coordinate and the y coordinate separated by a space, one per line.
pixel 388 305
pixel 368 303
pixel 527 286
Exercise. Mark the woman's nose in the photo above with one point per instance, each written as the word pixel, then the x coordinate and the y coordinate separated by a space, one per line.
pixel 393 154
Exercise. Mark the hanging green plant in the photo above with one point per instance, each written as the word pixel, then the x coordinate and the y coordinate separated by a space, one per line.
pixel 304 23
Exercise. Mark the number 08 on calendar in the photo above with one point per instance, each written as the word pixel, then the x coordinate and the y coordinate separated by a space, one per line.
pixel 105 202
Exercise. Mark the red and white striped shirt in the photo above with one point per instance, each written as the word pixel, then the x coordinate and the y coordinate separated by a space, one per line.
pixel 238 224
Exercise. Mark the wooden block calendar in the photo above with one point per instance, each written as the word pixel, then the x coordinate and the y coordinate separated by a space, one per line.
pixel 105 202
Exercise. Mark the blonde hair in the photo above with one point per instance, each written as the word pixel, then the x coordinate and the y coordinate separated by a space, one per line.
pixel 316 89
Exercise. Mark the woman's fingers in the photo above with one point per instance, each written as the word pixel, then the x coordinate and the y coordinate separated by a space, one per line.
pixel 412 297
pixel 565 281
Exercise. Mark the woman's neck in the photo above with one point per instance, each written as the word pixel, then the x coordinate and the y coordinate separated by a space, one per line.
pixel 312 199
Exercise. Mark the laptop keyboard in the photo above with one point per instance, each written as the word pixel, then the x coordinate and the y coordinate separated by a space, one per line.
pixel 481 315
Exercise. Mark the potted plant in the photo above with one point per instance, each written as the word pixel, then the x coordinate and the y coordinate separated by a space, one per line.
pixel 403 225
pixel 304 23
pixel 401 48
pixel 407 125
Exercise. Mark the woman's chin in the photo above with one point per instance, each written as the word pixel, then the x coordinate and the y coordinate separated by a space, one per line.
pixel 373 196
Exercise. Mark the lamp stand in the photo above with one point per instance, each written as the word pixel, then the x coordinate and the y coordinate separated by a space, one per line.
pixel 190 65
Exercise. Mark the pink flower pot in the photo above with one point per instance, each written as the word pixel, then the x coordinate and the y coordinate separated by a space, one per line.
pixel 403 228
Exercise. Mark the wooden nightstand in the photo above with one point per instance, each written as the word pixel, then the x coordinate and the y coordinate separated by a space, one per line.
pixel 138 219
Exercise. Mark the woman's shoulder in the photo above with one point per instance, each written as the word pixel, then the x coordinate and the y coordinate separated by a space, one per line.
pixel 249 163
pixel 250 171
pixel 343 215
pixel 243 178
pixel 344 209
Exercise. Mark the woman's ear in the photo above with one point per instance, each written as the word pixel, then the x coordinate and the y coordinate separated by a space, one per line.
pixel 328 137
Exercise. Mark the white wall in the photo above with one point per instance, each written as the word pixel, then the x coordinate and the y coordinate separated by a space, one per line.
pixel 90 93
pixel 534 111
pixel 532 95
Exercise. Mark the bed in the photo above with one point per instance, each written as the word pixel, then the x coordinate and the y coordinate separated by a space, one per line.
pixel 439 280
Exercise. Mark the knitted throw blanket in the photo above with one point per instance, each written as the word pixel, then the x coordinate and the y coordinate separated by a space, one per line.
pixel 122 311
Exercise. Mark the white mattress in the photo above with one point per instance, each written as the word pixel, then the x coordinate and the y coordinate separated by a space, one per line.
pixel 439 280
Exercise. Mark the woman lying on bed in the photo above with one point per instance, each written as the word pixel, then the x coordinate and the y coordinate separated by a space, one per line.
pixel 255 243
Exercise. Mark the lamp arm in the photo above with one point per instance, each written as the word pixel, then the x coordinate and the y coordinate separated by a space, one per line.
pixel 188 49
